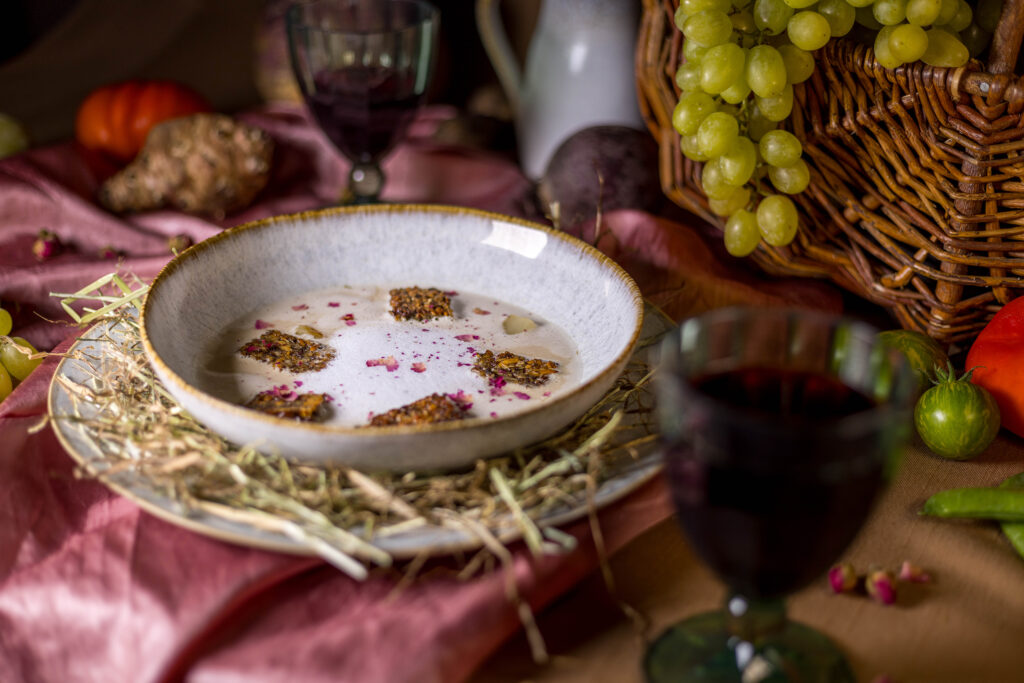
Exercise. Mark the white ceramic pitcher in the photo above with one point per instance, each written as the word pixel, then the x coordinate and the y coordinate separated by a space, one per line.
pixel 579 71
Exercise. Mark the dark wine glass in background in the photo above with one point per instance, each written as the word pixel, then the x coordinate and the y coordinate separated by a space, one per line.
pixel 363 67
pixel 779 429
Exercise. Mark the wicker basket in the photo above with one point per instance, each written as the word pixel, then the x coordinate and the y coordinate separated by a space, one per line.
pixel 916 199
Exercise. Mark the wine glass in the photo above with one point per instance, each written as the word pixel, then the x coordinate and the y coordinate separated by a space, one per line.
pixel 779 429
pixel 363 67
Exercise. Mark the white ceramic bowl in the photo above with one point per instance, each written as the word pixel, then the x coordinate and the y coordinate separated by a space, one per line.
pixel 232 279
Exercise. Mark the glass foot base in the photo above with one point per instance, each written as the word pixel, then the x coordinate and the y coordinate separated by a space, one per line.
pixel 701 649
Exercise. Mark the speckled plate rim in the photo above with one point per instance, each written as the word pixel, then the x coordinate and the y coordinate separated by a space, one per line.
pixel 406 545
pixel 370 435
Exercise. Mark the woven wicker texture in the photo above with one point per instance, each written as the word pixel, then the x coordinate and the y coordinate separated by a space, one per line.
pixel 916 199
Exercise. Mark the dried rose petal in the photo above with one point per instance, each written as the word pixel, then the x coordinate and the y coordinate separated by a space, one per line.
pixel 881 585
pixel 262 324
pixel 388 362
pixel 300 307
pixel 333 304
pixel 842 578
pixel 912 573
pixel 419 367
pixel 521 395
pixel 46 245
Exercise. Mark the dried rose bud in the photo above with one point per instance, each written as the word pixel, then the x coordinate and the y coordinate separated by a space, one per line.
pixel 842 578
pixel 912 573
pixel 179 243
pixel 881 585
pixel 46 245
pixel 109 253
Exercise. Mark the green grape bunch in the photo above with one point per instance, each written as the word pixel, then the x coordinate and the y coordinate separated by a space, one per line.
pixel 741 61
pixel 15 364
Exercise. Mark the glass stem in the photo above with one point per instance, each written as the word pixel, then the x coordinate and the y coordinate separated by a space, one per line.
pixel 750 620
pixel 365 181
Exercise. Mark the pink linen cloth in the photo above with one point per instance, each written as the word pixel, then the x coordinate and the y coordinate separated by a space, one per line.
pixel 93 589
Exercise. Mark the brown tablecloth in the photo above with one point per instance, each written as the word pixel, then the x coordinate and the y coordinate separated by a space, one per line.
pixel 965 626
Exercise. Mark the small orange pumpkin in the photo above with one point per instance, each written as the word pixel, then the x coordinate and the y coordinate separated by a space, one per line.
pixel 115 119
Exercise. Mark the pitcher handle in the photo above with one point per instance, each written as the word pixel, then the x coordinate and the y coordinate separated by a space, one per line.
pixel 499 50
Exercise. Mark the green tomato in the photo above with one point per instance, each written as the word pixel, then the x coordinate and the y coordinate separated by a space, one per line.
pixel 956 418
pixel 13 138
pixel 923 352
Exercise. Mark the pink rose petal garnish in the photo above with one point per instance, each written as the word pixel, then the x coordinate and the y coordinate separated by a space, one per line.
pixel 300 307
pixel 480 311
pixel 333 304
pixel 262 325
pixel 388 362
pixel 494 414
pixel 520 395
pixel 418 367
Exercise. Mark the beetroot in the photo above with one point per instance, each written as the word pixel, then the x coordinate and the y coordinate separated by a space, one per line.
pixel 614 166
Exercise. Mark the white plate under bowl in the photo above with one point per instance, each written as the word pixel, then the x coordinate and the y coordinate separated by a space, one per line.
pixel 223 284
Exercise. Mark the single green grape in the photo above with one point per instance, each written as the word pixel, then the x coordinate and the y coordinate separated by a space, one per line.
pixel 743 21
pixel 777 220
pixel 963 17
pixel 691 110
pixel 800 4
pixel 693 51
pixel 780 148
pixel 709 27
pixel 766 71
pixel 839 14
pixel 809 30
pixel 6 385
pixel 988 13
pixel 883 51
pixel 923 12
pixel 799 63
pixel 726 207
pixel 976 39
pixel 717 133
pixel 866 18
pixel 18 364
pixel 889 12
pixel 741 233
pixel 790 179
pixel 772 16
pixel 907 42
pixel 758 125
pixel 714 184
pixel 688 76
pixel 947 12
pixel 777 108
pixel 6 322
pixel 721 67
pixel 680 17
pixel 944 49
pixel 737 92
pixel 858 4
pixel 688 145
pixel 691 7
pixel 737 165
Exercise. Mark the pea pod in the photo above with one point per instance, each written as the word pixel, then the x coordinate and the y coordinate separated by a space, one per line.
pixel 1004 504
pixel 1014 531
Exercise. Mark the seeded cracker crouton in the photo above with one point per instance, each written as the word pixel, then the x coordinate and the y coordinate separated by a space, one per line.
pixel 514 368
pixel 287 352
pixel 289 405
pixel 433 408
pixel 415 303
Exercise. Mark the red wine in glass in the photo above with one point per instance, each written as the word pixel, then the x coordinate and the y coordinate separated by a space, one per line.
pixel 363 67
pixel 778 429
pixel 773 513
pixel 364 110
